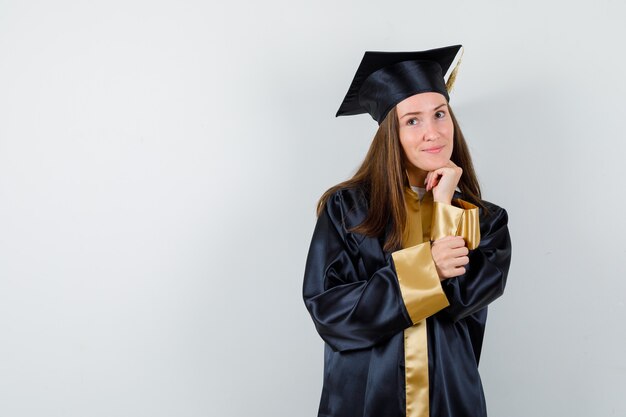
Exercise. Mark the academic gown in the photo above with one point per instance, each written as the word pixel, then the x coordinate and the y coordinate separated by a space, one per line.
pixel 398 341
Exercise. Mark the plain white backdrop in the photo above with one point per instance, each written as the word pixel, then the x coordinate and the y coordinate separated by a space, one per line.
pixel 160 162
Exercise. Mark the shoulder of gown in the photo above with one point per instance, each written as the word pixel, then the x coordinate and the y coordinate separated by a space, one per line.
pixel 348 206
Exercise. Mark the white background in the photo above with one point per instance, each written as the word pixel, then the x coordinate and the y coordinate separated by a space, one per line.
pixel 160 162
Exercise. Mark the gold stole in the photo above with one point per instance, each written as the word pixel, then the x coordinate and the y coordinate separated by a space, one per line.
pixel 419 217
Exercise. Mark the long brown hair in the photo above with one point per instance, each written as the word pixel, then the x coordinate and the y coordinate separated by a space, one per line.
pixel 382 176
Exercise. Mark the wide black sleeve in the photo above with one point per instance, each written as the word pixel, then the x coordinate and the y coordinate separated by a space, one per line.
pixel 351 308
pixel 486 273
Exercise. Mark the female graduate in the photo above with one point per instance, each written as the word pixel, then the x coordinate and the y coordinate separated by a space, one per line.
pixel 406 255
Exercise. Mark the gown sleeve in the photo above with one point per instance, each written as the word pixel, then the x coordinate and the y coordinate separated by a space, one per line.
pixel 485 276
pixel 353 308
pixel 460 219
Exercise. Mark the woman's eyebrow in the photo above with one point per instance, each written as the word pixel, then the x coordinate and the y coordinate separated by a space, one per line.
pixel 419 112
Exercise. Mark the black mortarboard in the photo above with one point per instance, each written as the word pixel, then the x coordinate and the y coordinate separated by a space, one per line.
pixel 384 79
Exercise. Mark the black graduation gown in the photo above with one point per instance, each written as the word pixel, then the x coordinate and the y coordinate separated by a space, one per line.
pixel 352 292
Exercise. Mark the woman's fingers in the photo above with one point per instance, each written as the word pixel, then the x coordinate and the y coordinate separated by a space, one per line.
pixel 460 261
pixel 432 179
pixel 450 256
pixel 449 177
pixel 458 271
pixel 462 251
pixel 451 242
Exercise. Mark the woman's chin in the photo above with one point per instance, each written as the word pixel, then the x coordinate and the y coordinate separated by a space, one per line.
pixel 431 166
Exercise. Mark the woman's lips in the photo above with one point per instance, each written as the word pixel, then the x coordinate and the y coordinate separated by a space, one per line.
pixel 434 150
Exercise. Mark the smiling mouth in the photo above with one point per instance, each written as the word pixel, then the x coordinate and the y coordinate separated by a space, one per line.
pixel 434 150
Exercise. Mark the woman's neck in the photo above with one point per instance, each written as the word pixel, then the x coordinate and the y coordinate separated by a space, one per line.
pixel 417 177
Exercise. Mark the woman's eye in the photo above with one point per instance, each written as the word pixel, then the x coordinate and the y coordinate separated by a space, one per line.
pixel 440 114
pixel 411 122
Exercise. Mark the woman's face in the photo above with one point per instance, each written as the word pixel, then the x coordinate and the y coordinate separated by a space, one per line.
pixel 426 132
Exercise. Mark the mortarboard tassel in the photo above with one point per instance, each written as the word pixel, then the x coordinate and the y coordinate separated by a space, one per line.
pixel 452 77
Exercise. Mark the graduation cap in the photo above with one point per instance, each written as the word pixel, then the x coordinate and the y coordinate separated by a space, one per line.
pixel 384 79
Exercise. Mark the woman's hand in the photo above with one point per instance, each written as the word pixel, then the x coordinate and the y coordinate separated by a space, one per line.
pixel 443 182
pixel 450 256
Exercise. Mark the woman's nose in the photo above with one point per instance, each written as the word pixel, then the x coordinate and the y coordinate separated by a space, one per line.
pixel 430 132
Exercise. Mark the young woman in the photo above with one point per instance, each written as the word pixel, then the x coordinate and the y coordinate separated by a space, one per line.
pixel 406 255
